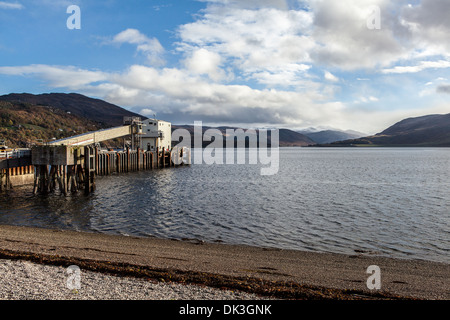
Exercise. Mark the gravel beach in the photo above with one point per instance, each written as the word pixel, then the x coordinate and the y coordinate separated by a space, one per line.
pixel 34 262
pixel 24 280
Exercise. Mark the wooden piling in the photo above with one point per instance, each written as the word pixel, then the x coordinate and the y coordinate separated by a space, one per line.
pixel 79 172
pixel 128 159
pixel 89 170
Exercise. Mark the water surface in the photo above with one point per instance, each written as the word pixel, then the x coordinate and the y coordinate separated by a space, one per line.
pixel 385 201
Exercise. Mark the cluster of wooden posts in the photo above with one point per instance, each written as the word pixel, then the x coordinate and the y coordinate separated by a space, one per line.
pixel 80 175
pixel 5 180
pixel 9 175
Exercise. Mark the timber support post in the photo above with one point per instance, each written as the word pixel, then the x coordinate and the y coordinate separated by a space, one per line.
pixel 5 181
pixel 72 168
pixel 89 170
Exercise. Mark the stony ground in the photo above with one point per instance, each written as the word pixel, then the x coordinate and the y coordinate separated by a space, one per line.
pixel 23 280
pixel 285 274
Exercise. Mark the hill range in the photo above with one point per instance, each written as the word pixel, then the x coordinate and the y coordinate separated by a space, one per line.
pixel 425 131
pixel 25 118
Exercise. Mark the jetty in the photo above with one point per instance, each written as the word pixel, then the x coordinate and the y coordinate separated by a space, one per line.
pixel 71 164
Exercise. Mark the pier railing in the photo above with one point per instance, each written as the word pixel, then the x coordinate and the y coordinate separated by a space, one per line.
pixel 14 153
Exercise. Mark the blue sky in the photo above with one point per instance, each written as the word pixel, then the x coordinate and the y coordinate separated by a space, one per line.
pixel 267 63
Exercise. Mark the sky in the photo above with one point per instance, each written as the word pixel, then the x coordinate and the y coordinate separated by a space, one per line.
pixel 328 64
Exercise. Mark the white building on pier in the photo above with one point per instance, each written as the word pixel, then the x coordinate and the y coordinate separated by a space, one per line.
pixel 156 135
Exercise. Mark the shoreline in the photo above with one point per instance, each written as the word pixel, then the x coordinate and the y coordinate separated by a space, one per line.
pixel 278 273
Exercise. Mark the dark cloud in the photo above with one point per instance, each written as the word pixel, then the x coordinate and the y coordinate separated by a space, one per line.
pixel 429 14
pixel 346 42
pixel 444 88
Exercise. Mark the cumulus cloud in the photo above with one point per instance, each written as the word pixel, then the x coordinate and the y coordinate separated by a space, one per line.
pixel 191 97
pixel 256 42
pixel 344 40
pixel 267 63
pixel 261 35
pixel 428 22
pixel 150 47
pixel 251 4
pixel 204 62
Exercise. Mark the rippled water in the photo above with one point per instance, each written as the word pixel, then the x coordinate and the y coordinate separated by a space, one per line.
pixel 386 201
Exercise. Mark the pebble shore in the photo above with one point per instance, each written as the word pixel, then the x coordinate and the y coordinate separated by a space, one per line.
pixel 24 280
pixel 118 267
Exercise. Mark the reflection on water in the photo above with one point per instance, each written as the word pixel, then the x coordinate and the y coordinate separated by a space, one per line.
pixel 392 202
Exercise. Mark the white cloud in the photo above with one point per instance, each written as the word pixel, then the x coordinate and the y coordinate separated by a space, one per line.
pixel 429 26
pixel 330 77
pixel 259 62
pixel 190 96
pixel 258 35
pixel 343 39
pixel 147 112
pixel 289 75
pixel 441 64
pixel 10 5
pixel 256 42
pixel 150 47
pixel 366 99
pixel 206 62
pixel 58 76
pixel 251 4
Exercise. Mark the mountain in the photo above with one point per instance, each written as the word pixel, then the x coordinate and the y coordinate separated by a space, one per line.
pixel 426 131
pixel 22 124
pixel 26 118
pixel 287 138
pixel 102 112
pixel 328 136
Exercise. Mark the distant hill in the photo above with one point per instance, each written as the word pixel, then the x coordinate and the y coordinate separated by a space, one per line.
pixel 287 138
pixel 26 118
pixel 425 131
pixel 96 110
pixel 22 124
pixel 328 136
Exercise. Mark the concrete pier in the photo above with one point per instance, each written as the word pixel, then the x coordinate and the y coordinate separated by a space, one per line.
pixel 16 171
pixel 71 164
pixel 71 168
